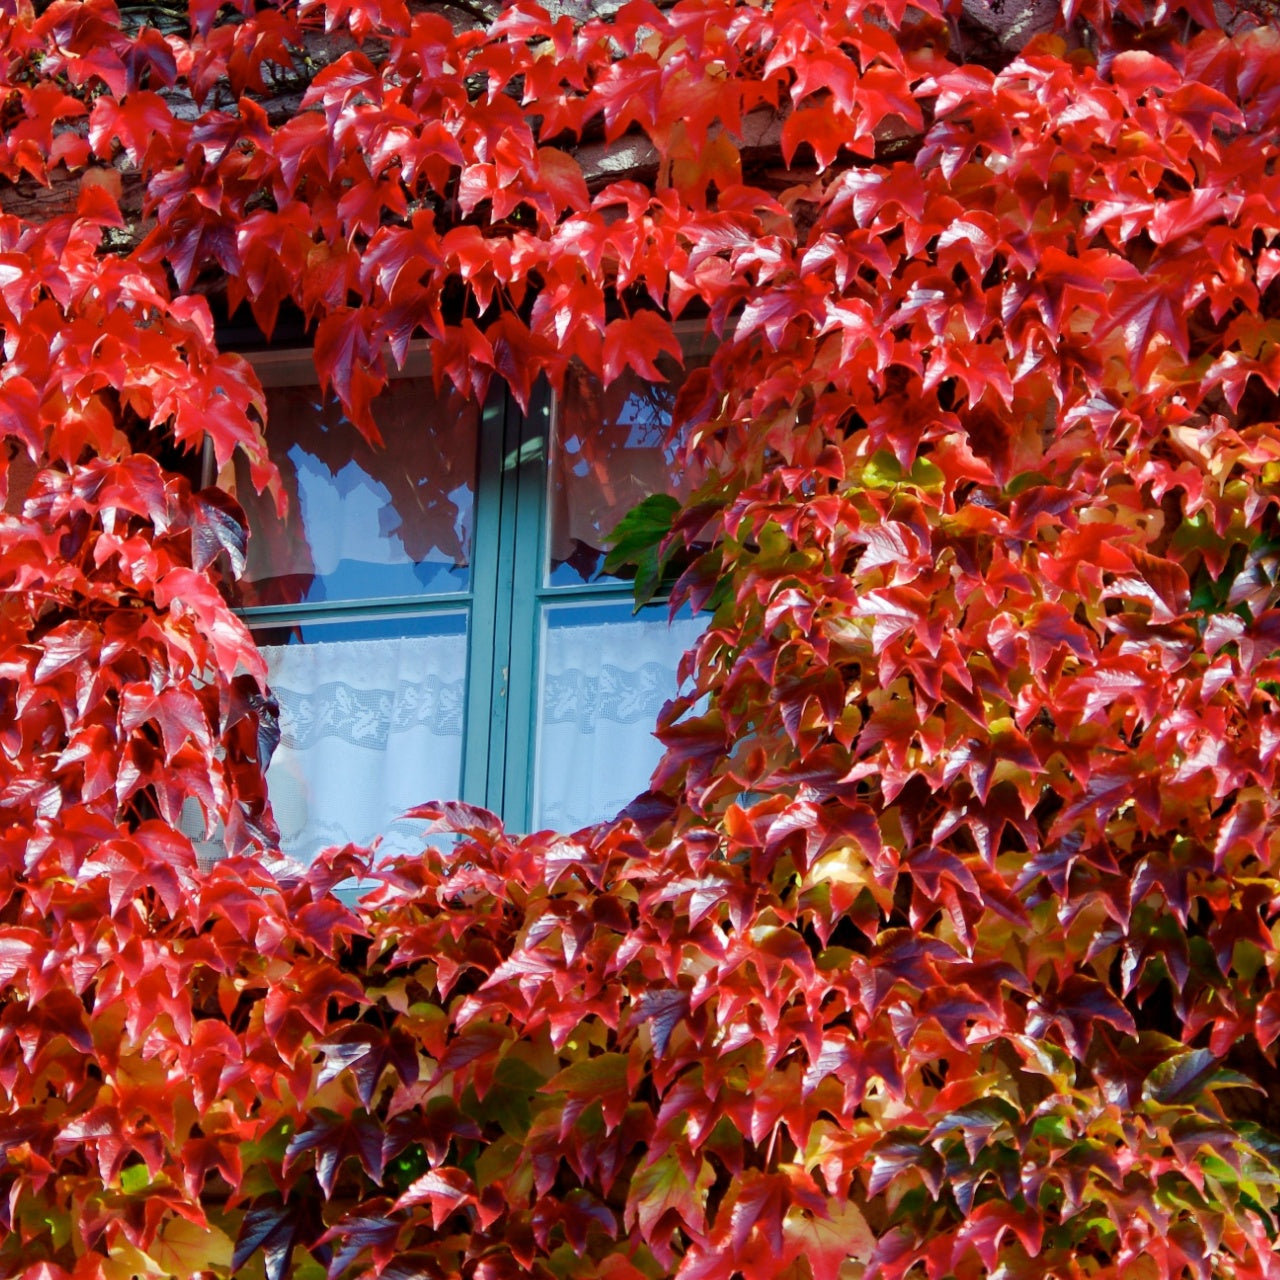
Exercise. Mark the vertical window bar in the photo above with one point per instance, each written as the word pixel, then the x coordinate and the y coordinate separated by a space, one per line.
pixel 528 567
pixel 490 632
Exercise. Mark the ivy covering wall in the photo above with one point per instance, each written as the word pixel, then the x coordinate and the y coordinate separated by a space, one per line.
pixel 945 943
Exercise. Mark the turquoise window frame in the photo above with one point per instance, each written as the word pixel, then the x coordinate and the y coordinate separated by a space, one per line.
pixel 504 606
pixel 515 804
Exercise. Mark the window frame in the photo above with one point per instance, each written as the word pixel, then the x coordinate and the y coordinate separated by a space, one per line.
pixel 509 585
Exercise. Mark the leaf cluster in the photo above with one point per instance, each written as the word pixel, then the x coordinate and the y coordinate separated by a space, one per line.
pixel 945 943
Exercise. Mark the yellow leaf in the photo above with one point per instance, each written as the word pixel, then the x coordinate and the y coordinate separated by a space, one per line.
pixel 126 1262
pixel 182 1248
pixel 837 1247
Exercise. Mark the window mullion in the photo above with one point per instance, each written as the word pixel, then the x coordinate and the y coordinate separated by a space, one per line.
pixel 530 473
pixel 489 629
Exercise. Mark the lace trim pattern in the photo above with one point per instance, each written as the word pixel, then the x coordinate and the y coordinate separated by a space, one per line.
pixel 368 717
pixel 615 695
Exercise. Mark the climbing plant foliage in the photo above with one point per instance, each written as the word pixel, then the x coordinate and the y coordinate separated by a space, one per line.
pixel 945 943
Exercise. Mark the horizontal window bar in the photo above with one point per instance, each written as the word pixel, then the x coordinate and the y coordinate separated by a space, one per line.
pixel 314 610
pixel 587 589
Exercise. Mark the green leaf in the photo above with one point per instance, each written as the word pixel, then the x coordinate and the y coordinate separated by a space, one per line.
pixel 1053 1129
pixel 637 542
pixel 926 475
pixel 591 1077
pixel 496 1162
pixel 508 1100
pixel 884 471
pixel 1024 480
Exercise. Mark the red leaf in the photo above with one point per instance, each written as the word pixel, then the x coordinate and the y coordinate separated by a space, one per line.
pixel 141 122
pixel 445 1190
pixel 1150 312
pixel 824 129
pixel 561 175
pixel 636 343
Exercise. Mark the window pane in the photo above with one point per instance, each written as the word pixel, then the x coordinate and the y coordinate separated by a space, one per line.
pixel 610 449
pixel 369 728
pixel 363 523
pixel 605 675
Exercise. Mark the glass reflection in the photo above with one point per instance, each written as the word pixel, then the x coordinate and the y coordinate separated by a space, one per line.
pixel 363 522
pixel 611 448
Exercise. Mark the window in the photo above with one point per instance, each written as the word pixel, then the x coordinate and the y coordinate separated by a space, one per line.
pixel 435 615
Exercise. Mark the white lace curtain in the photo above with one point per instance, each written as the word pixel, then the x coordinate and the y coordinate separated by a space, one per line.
pixel 603 685
pixel 369 728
